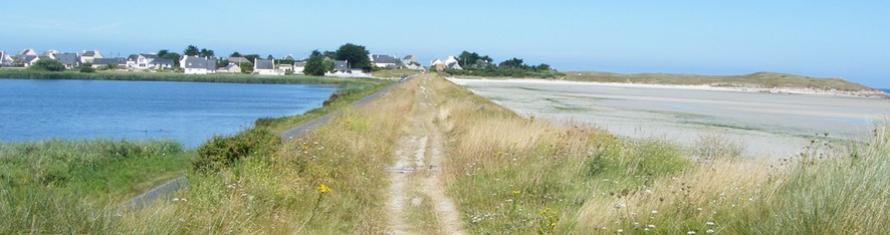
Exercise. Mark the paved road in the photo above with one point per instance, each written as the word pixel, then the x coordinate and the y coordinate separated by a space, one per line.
pixel 166 190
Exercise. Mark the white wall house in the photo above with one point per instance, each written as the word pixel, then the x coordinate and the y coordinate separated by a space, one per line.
pixel 88 57
pixel 25 60
pixel 231 68
pixel 410 62
pixel 28 52
pixel 299 66
pixel 5 59
pixel 449 63
pixel 142 61
pixel 70 60
pixel 198 65
pixel 384 61
pixel 266 67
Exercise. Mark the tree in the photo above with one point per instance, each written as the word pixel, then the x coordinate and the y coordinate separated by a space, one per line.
pixel 166 54
pixel 252 57
pixel 355 54
pixel 465 59
pixel 162 53
pixel 206 53
pixel 315 64
pixel 235 54
pixel 191 50
pixel 513 63
pixel 330 54
pixel 270 57
pixel 87 68
pixel 48 65
pixel 543 67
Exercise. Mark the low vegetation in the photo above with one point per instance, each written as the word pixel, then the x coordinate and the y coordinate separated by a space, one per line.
pixel 472 64
pixel 66 186
pixel 176 77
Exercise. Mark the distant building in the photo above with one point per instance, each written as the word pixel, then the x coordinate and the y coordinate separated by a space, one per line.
pixel 50 54
pixel 162 63
pixel 342 66
pixel 198 65
pixel 238 60
pixel 266 67
pixel 89 57
pixel 28 52
pixel 449 63
pixel 70 60
pixel 410 62
pixel 299 66
pixel 115 62
pixel 384 61
pixel 285 67
pixel 230 68
pixel 25 60
pixel 141 61
pixel 5 59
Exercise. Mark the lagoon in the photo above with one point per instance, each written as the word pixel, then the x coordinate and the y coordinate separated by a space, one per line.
pixel 187 112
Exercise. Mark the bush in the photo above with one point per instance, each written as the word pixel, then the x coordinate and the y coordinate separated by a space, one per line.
pixel 48 65
pixel 87 68
pixel 222 152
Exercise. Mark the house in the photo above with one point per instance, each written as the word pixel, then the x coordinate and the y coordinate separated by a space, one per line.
pixel 25 60
pixel 410 62
pixel 289 57
pixel 299 66
pixel 50 54
pixel 198 65
pixel 115 62
pixel 449 63
pixel 230 68
pixel 341 66
pixel 5 59
pixel 266 67
pixel 343 69
pixel 89 57
pixel 238 60
pixel 384 61
pixel 161 64
pixel 70 60
pixel 28 52
pixel 285 67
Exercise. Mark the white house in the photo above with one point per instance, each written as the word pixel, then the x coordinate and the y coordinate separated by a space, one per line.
pixel 285 67
pixel 28 52
pixel 109 62
pixel 231 68
pixel 198 65
pixel 5 59
pixel 410 62
pixel 141 61
pixel 88 57
pixel 266 67
pixel 51 54
pixel 25 60
pixel 299 66
pixel 70 60
pixel 384 61
pixel 449 63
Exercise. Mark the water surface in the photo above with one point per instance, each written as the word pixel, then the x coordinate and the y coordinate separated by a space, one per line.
pixel 183 111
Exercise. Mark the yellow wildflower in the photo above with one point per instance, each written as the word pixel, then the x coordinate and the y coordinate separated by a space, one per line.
pixel 322 188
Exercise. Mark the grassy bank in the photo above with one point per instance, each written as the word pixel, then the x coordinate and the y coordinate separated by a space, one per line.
pixel 77 186
pixel 64 186
pixel 524 176
pixel 174 77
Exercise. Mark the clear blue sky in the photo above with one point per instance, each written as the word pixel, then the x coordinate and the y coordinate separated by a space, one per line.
pixel 849 39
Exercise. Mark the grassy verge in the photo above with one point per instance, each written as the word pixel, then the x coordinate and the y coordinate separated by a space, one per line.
pixel 171 76
pixel 59 186
pixel 327 182
pixel 524 176
pixel 395 73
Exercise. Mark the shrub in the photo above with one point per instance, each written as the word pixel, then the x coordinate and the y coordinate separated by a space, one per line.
pixel 48 65
pixel 222 152
pixel 87 68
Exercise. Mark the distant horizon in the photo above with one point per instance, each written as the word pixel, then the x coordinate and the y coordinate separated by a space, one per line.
pixel 827 39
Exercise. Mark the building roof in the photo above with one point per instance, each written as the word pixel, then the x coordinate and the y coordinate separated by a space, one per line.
pixel 230 66
pixel 162 62
pixel 68 58
pixel 28 51
pixel 90 53
pixel 299 64
pixel 385 59
pixel 264 64
pixel 341 65
pixel 194 62
pixel 107 61
pixel 237 59
pixel 25 58
pixel 147 56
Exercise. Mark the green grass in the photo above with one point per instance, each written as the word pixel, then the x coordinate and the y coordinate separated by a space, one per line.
pixel 65 186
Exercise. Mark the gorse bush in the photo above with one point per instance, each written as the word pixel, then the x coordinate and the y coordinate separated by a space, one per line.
pixel 224 151
pixel 47 65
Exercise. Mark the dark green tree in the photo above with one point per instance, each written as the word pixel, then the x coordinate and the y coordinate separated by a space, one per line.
pixel 513 63
pixel 235 54
pixel 191 50
pixel 48 65
pixel 356 55
pixel 166 54
pixel 270 57
pixel 206 53
pixel 315 65
pixel 252 57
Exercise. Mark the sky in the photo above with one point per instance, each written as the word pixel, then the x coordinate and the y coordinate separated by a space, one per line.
pixel 846 39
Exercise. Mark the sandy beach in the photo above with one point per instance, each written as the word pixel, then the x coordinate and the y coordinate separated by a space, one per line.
pixel 769 124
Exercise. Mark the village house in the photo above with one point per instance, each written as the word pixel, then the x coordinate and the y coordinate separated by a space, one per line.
pixel 5 59
pixel 266 67
pixel 89 57
pixel 141 61
pixel 285 68
pixel 238 60
pixel 198 65
pixel 110 63
pixel 70 60
pixel 25 60
pixel 449 63
pixel 384 61
pixel 51 54
pixel 28 52
pixel 162 64
pixel 299 66
pixel 230 68
pixel 410 62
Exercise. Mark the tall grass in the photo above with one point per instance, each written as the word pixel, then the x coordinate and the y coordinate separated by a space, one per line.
pixel 69 186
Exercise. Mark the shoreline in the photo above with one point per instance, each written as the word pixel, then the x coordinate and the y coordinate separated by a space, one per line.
pixel 877 94
pixel 177 77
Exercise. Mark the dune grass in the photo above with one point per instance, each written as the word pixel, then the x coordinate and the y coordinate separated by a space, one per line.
pixel 761 80
pixel 67 186
pixel 524 176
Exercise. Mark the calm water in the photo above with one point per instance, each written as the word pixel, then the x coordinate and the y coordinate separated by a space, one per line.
pixel 186 112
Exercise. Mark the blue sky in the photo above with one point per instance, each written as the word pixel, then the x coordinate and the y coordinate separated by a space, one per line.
pixel 849 39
